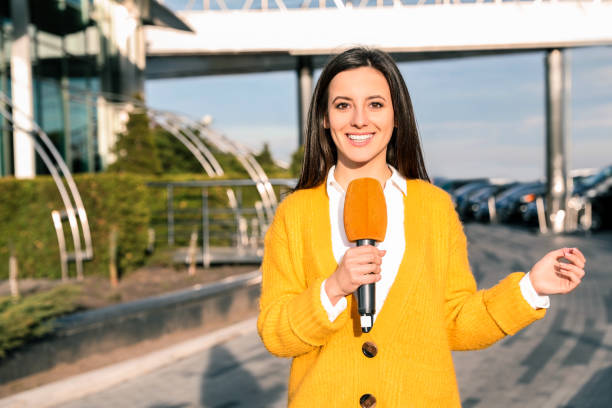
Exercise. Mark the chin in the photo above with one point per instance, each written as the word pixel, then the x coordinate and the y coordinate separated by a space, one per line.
pixel 362 158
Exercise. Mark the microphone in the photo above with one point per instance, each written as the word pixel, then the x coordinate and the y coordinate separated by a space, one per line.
pixel 365 223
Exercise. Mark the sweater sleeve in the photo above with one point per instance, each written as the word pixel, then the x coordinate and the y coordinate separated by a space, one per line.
pixel 292 319
pixel 477 319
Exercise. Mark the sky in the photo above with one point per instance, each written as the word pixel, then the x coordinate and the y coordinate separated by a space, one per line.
pixel 477 116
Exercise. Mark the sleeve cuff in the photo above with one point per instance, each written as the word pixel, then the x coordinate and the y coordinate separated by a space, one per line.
pixel 508 307
pixel 308 319
pixel 332 311
pixel 531 296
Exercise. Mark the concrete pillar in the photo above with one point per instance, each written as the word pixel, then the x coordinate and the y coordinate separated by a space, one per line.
pixel 557 98
pixel 122 61
pixel 65 91
pixel 5 145
pixel 21 86
pixel 304 70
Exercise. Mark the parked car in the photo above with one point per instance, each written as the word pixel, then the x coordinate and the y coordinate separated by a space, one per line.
pixel 478 203
pixel 462 194
pixel 530 213
pixel 508 206
pixel 596 190
pixel 580 181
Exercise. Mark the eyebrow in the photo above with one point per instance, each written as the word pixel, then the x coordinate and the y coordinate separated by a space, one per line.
pixel 347 98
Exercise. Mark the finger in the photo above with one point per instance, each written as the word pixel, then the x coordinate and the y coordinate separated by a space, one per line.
pixel 364 270
pixel 574 259
pixel 362 250
pixel 569 283
pixel 364 277
pixel 557 253
pixel 579 272
pixel 363 260
pixel 371 278
pixel 367 258
pixel 564 273
pixel 576 251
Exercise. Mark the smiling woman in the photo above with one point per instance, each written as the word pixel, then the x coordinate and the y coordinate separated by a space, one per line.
pixel 360 120
pixel 362 86
pixel 361 124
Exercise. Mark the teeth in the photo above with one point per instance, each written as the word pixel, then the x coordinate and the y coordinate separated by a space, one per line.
pixel 360 138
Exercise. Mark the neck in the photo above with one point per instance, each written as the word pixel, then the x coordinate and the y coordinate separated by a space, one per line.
pixel 345 174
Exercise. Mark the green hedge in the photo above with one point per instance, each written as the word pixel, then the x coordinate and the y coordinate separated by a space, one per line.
pixel 109 199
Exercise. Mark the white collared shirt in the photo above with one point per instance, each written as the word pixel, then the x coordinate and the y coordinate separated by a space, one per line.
pixel 395 243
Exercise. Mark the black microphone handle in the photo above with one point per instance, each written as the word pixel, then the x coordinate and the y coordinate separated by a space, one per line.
pixel 366 298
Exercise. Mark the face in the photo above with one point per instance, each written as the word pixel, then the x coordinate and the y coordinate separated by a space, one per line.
pixel 360 116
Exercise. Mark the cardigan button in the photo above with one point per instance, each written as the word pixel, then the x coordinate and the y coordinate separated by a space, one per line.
pixel 367 401
pixel 369 349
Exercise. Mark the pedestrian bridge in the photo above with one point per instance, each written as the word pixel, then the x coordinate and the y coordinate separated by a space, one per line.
pixel 263 35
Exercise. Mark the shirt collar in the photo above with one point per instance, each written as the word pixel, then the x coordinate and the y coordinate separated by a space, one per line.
pixel 396 179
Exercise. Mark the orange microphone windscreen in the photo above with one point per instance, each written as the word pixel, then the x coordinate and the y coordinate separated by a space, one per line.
pixel 365 210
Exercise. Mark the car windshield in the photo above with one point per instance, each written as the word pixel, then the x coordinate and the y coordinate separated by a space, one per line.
pixel 469 187
pixel 484 192
pixel 513 190
pixel 596 178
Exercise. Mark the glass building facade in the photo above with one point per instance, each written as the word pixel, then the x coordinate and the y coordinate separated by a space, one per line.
pixel 87 58
pixel 65 64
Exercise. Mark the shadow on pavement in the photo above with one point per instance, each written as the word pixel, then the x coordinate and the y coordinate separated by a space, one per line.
pixel 226 384
pixel 596 393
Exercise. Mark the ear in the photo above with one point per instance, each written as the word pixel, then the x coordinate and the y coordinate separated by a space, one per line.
pixel 325 121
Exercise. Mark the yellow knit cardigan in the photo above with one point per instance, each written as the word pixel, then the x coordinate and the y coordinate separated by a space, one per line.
pixel 432 308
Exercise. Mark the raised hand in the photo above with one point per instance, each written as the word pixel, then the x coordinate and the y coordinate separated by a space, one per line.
pixel 558 272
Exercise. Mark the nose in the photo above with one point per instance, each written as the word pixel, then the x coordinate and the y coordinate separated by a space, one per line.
pixel 360 117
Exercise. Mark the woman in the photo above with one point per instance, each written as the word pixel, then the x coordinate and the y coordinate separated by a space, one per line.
pixel 361 124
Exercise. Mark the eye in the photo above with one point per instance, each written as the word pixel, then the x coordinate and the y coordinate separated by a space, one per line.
pixel 376 105
pixel 342 105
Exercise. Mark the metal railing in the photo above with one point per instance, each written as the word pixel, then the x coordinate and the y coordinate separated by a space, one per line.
pixel 228 232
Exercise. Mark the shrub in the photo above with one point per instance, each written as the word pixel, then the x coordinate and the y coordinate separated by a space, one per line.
pixel 32 317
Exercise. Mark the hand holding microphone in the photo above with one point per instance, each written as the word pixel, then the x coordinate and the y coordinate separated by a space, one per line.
pixel 365 223
pixel 359 266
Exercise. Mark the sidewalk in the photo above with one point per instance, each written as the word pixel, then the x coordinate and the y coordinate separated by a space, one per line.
pixel 79 386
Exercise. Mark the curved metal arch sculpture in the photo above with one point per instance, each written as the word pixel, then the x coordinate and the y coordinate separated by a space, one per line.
pixel 69 193
pixel 182 127
pixel 195 140
pixel 204 156
pixel 245 157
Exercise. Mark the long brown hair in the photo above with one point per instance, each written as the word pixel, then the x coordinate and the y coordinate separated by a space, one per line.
pixel 404 149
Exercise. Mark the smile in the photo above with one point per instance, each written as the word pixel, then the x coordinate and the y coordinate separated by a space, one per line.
pixel 361 137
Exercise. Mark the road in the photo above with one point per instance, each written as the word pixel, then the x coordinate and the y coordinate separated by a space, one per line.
pixel 564 360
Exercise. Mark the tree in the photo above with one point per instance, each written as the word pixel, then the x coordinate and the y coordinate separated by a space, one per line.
pixel 264 158
pixel 135 149
pixel 297 158
pixel 173 155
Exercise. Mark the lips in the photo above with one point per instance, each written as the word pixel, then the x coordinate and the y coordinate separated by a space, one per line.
pixel 360 137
